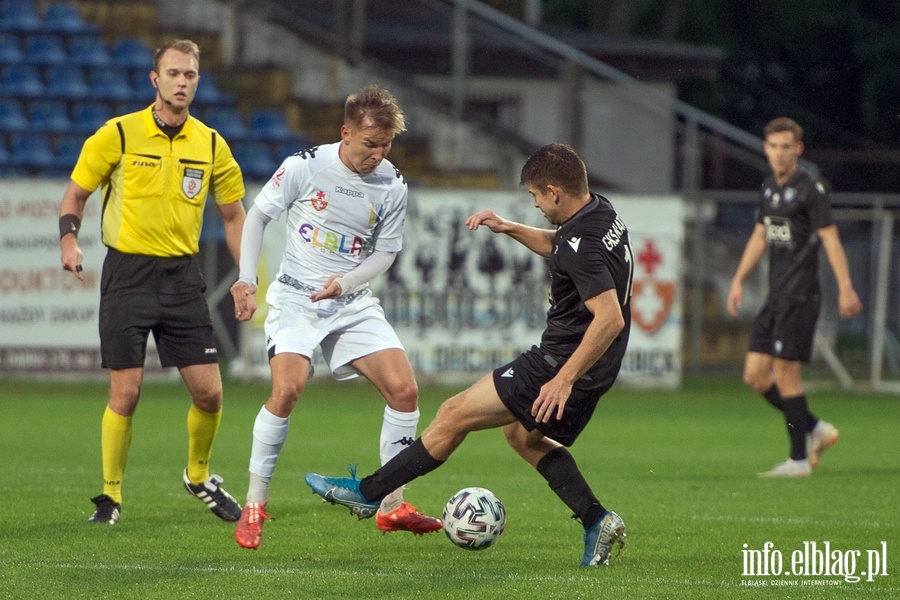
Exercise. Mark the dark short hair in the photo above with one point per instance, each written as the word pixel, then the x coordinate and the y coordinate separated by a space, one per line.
pixel 376 103
pixel 186 46
pixel 556 164
pixel 783 124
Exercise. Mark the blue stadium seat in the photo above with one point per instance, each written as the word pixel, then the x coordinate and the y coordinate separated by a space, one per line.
pixel 141 86
pixel 269 125
pixel 19 16
pixel 227 121
pixel 49 116
pixel 88 117
pixel 111 83
pixel 45 49
pixel 21 81
pixel 66 82
pixel 12 116
pixel 62 17
pixel 31 151
pixel 292 146
pixel 132 53
pixel 123 108
pixel 88 51
pixel 255 160
pixel 10 49
pixel 208 92
pixel 68 148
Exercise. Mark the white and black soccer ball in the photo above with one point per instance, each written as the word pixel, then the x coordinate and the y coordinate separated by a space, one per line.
pixel 474 518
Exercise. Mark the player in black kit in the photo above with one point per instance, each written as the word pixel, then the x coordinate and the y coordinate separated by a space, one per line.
pixel 794 217
pixel 545 397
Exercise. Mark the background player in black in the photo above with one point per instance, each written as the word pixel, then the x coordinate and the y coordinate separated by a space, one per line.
pixel 544 398
pixel 794 216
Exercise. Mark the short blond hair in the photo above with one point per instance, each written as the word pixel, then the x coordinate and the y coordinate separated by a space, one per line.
pixel 186 46
pixel 376 103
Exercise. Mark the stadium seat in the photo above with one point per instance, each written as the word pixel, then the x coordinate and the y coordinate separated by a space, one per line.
pixel 10 49
pixel 19 16
pixel 45 49
pixel 62 17
pixel 21 81
pixel 49 116
pixel 141 86
pixel 292 146
pixel 268 125
pixel 4 157
pixel 68 148
pixel 88 117
pixel 208 92
pixel 227 121
pixel 123 108
pixel 66 82
pixel 111 83
pixel 255 160
pixel 31 151
pixel 12 116
pixel 88 51
pixel 132 53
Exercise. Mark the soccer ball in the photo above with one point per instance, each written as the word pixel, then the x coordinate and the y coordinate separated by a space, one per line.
pixel 474 518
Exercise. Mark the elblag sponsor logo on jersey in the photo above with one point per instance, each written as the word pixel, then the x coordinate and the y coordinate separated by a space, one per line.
pixel 192 182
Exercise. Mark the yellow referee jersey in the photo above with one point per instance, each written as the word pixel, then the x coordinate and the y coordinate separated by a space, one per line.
pixel 153 188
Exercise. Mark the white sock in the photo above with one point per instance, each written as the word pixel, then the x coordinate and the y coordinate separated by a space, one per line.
pixel 398 431
pixel 269 433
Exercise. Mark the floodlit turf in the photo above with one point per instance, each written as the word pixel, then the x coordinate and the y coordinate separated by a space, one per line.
pixel 680 468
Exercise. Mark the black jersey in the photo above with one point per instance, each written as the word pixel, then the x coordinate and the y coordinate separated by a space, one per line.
pixel 591 254
pixel 792 215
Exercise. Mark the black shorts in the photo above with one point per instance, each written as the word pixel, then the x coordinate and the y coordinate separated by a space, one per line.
pixel 785 327
pixel 519 384
pixel 140 294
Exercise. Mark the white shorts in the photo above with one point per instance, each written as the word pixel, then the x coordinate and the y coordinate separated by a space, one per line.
pixel 345 328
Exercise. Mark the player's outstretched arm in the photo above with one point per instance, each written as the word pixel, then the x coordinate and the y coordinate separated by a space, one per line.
pixel 539 241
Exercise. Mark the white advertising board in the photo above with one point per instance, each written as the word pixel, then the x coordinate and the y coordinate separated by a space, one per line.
pixel 464 302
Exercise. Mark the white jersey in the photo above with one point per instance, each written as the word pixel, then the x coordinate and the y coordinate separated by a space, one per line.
pixel 336 217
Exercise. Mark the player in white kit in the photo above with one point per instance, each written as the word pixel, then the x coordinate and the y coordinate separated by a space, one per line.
pixel 346 207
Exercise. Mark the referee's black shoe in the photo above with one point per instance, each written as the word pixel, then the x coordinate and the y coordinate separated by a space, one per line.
pixel 211 492
pixel 108 510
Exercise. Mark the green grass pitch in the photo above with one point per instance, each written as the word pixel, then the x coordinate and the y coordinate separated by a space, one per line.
pixel 680 467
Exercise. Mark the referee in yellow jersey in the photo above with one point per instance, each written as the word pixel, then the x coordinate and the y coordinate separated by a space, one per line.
pixel 155 168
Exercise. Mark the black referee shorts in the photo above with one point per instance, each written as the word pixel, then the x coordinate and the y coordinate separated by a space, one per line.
pixel 140 294
pixel 785 327
pixel 519 383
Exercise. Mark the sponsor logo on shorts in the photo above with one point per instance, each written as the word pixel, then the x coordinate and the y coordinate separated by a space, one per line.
pixel 209 351
pixel 509 373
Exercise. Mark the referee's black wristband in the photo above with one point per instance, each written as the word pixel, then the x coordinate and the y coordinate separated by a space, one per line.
pixel 69 224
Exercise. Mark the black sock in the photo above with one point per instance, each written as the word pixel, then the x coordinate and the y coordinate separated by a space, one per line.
pixel 795 415
pixel 412 462
pixel 773 397
pixel 562 474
